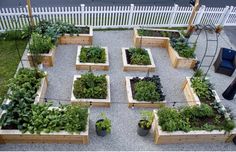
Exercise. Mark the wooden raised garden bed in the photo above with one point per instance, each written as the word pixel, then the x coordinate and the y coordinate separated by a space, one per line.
pixel 91 66
pixel 134 67
pixel 42 90
pixel 15 136
pixel 134 103
pixel 163 137
pixel 83 39
pixel 178 61
pixel 191 96
pixel 89 101
pixel 46 58
pixel 155 40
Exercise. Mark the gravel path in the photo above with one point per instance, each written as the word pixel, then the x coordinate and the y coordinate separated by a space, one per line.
pixel 124 120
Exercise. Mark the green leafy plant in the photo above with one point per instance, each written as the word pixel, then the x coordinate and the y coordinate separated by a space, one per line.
pixel 198 73
pixel 90 86
pixel 182 47
pixel 195 117
pixel 69 118
pixel 146 119
pixel 105 124
pixel 139 56
pixel 146 91
pixel 92 55
pixel 202 87
pixel 40 44
pixel 23 92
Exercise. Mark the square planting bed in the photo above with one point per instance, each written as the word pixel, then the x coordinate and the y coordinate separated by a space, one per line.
pixel 135 67
pixel 16 136
pixel 83 39
pixel 90 101
pixel 133 102
pixel 191 96
pixel 181 137
pixel 91 66
pixel 154 39
pixel 46 58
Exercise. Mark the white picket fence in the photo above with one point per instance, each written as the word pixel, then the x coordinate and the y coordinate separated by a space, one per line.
pixel 119 16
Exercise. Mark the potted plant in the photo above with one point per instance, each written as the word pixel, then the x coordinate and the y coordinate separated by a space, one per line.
pixel 145 123
pixel 103 125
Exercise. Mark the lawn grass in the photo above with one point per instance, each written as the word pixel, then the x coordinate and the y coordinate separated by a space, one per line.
pixel 9 61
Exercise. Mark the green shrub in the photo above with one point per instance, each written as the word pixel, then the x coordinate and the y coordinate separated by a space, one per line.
pixel 139 56
pixel 90 86
pixel 146 91
pixel 40 44
pixel 11 35
pixel 181 46
pixel 92 55
pixel 202 88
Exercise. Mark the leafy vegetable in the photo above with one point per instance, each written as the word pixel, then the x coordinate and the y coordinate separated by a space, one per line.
pixel 92 55
pixel 90 86
pixel 139 56
pixel 104 123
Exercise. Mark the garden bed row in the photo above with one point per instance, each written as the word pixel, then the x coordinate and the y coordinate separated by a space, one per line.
pixel 24 134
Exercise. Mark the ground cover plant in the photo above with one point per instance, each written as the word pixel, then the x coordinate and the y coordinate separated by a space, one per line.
pixel 138 56
pixel 90 86
pixel 92 55
pixel 147 89
pixel 10 41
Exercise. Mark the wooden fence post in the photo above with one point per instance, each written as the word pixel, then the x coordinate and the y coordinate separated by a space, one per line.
pixel 174 10
pixel 131 14
pixel 194 12
pixel 30 12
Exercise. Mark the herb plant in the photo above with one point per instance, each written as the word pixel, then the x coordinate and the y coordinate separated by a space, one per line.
pixel 105 124
pixel 139 56
pixel 92 55
pixel 90 86
pixel 147 89
pixel 146 119
pixel 202 87
pixel 40 44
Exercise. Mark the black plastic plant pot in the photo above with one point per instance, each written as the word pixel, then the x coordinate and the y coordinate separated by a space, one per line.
pixel 99 132
pixel 143 131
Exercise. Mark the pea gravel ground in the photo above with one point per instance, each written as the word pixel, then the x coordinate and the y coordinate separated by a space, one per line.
pixel 124 120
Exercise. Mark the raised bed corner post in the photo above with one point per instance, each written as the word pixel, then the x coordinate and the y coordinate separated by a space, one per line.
pixel 193 15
